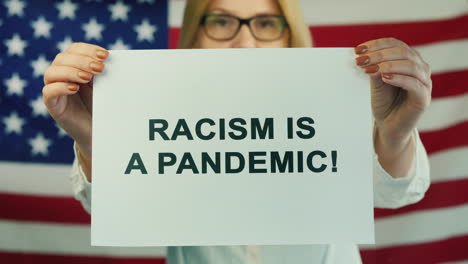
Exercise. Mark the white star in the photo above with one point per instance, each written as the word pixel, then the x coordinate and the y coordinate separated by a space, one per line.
pixel 61 132
pixel 13 124
pixel 66 9
pixel 41 27
pixel 39 108
pixel 15 85
pixel 15 45
pixel 145 31
pixel 15 7
pixel 93 29
pixel 64 44
pixel 39 145
pixel 119 11
pixel 146 1
pixel 39 66
pixel 119 45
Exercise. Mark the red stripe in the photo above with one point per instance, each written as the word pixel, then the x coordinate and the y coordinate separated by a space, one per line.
pixel 440 195
pixel 35 258
pixel 450 249
pixel 68 210
pixel 412 33
pixel 449 84
pixel 174 33
pixel 36 208
pixel 447 138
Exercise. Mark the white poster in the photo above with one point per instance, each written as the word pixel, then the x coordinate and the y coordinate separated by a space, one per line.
pixel 232 147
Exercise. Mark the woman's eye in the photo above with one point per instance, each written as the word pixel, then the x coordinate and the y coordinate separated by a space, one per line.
pixel 266 23
pixel 220 22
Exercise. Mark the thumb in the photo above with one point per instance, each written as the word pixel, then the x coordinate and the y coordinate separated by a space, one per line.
pixel 376 80
pixel 86 94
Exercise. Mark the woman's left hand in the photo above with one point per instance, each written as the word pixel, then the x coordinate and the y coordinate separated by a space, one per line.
pixel 400 87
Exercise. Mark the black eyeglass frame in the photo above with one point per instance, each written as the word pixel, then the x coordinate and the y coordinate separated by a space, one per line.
pixel 243 21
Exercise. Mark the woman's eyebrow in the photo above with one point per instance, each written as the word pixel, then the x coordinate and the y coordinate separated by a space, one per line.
pixel 220 10
pixel 224 11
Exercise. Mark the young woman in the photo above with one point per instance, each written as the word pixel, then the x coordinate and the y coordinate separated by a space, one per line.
pixel 400 92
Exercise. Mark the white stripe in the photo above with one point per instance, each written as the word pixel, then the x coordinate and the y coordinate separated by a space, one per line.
pixel 176 12
pixel 325 12
pixel 62 239
pixel 37 178
pixel 444 112
pixel 420 227
pixel 411 228
pixel 446 56
pixel 458 262
pixel 449 165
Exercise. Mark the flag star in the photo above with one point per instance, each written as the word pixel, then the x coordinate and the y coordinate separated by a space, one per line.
pixel 39 66
pixel 41 27
pixel 64 44
pixel 39 108
pixel 145 31
pixel 146 1
pixel 15 45
pixel 61 132
pixel 66 9
pixel 119 45
pixel 15 85
pixel 93 29
pixel 15 7
pixel 13 124
pixel 119 11
pixel 39 145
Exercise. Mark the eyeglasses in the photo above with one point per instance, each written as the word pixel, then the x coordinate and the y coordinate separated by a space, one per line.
pixel 226 27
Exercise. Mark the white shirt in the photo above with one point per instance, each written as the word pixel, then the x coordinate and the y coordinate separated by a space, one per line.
pixel 389 192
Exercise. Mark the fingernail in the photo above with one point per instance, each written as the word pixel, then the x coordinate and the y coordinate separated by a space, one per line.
pixel 96 66
pixel 362 60
pixel 73 87
pixel 372 69
pixel 361 49
pixel 85 75
pixel 102 54
pixel 387 76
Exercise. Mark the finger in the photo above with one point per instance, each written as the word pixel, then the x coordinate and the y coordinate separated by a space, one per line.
pixel 78 61
pixel 405 67
pixel 418 93
pixel 394 53
pixel 378 44
pixel 51 92
pixel 66 74
pixel 90 50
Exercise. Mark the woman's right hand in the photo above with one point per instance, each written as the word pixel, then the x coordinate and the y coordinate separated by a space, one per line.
pixel 68 90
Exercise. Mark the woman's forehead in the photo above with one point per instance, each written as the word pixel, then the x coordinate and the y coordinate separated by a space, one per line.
pixel 245 8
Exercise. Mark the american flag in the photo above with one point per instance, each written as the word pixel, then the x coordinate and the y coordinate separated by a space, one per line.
pixel 41 222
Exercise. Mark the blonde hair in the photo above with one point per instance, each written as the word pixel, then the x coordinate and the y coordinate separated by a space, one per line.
pixel 299 32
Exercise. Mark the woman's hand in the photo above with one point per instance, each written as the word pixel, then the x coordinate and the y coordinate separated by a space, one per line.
pixel 400 87
pixel 68 90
